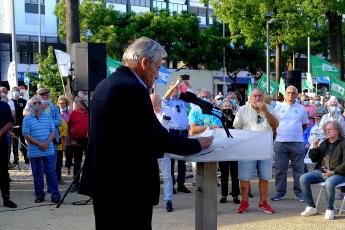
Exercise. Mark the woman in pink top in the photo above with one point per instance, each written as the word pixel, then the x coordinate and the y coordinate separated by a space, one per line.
pixel 310 109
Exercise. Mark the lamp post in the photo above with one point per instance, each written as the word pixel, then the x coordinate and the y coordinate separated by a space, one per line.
pixel 269 20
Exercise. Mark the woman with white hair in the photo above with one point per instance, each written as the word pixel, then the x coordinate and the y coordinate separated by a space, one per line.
pixel 334 113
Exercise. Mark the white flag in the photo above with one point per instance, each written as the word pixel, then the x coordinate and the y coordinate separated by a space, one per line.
pixel 63 61
pixel 11 75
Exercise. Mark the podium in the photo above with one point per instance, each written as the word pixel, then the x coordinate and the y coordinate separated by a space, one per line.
pixel 246 145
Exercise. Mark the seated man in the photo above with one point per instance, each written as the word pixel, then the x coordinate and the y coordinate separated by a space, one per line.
pixel 330 168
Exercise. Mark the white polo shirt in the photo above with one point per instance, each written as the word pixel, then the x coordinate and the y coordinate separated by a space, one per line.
pixel 247 118
pixel 291 118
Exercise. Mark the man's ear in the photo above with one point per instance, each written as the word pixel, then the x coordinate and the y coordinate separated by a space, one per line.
pixel 144 63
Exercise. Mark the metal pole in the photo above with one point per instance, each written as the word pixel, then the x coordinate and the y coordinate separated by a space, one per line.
pixel 39 26
pixel 224 83
pixel 268 56
pixel 293 60
pixel 14 43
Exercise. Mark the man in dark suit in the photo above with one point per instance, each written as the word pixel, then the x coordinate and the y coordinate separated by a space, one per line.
pixel 125 141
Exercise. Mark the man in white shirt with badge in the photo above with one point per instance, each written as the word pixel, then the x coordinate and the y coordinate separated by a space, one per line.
pixel 288 145
pixel 255 116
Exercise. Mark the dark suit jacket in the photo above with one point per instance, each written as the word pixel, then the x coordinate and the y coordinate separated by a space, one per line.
pixel 124 143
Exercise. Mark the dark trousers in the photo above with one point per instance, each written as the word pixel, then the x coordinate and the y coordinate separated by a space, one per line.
pixel 181 165
pixel 78 151
pixel 15 143
pixel 69 156
pixel 224 177
pixel 59 159
pixel 4 176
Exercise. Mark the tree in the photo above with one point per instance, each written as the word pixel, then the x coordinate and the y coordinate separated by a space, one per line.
pixel 332 11
pixel 49 74
pixel 246 21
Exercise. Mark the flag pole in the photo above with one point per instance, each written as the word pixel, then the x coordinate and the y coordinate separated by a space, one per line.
pixel 14 43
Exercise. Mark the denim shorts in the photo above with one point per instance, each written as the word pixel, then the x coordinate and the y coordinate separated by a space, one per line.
pixel 247 169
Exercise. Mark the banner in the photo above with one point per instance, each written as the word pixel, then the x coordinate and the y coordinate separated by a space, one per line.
pixel 337 88
pixel 250 89
pixel 263 85
pixel 282 88
pixel 64 61
pixel 11 75
pixel 112 65
pixel 322 68
pixel 163 75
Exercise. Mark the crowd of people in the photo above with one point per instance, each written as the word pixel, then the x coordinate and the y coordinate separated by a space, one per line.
pixel 44 133
pixel 296 122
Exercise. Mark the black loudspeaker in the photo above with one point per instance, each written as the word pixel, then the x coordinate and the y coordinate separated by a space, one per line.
pixel 88 65
pixel 294 77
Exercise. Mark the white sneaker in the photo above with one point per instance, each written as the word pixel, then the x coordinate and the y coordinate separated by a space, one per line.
pixel 309 211
pixel 329 214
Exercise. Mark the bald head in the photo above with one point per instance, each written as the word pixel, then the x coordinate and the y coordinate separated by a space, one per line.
pixel 291 94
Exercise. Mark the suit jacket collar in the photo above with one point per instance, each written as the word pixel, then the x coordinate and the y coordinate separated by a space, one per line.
pixel 133 75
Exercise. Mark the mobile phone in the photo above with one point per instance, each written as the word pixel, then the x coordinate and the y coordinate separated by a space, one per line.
pixel 185 77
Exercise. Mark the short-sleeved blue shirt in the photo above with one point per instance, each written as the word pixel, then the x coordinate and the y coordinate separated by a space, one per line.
pixel 39 128
pixel 196 116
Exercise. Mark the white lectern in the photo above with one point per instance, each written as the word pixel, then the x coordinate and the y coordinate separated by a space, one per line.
pixel 246 145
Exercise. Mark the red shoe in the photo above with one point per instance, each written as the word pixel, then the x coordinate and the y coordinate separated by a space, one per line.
pixel 243 207
pixel 265 207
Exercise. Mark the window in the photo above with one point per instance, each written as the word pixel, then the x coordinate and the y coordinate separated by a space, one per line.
pixel 31 6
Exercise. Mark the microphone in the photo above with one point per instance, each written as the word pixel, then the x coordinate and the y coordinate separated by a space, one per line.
pixel 192 98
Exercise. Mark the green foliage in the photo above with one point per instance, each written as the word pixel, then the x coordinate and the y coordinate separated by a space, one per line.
pixel 49 74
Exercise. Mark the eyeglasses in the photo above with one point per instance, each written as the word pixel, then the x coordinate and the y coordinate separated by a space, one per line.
pixel 260 119
pixel 36 103
pixel 219 99
pixel 178 108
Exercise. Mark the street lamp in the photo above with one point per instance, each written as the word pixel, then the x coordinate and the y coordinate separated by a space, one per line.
pixel 269 20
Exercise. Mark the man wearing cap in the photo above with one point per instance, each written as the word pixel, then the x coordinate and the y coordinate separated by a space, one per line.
pixel 48 107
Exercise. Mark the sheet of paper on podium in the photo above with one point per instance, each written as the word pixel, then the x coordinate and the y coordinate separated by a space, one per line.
pixel 246 145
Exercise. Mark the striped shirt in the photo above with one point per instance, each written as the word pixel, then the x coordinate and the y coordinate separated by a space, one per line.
pixel 40 129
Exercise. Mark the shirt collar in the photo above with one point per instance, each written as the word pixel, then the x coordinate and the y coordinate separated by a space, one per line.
pixel 139 79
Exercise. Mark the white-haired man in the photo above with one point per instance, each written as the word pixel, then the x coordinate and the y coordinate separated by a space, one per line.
pixel 121 104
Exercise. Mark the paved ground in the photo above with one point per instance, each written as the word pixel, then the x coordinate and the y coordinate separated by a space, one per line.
pixel 30 216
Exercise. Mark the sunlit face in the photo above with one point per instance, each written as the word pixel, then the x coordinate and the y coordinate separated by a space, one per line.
pixel 331 132
pixel 61 103
pixel 255 97
pixel 291 95
pixel 151 73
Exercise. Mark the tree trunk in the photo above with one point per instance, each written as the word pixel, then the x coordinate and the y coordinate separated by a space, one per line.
pixel 336 41
pixel 72 23
pixel 72 34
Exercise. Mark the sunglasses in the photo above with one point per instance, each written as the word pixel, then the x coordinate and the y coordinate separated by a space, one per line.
pixel 36 103
pixel 178 108
pixel 260 119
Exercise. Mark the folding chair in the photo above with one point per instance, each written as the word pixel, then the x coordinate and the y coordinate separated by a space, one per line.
pixel 322 184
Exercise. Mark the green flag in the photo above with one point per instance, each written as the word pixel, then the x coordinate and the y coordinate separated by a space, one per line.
pixel 307 85
pixel 322 68
pixel 250 89
pixel 337 88
pixel 263 85
pixel 282 87
pixel 112 65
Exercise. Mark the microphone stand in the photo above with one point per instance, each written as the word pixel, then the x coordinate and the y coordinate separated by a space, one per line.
pixel 221 118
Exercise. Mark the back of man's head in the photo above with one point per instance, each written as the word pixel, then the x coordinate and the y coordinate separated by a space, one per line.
pixel 141 48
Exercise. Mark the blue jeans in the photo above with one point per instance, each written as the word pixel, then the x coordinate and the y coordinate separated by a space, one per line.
pixel 165 168
pixel 315 177
pixel 47 163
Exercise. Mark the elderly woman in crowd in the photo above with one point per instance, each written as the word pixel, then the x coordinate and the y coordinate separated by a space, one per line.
pixel 329 157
